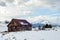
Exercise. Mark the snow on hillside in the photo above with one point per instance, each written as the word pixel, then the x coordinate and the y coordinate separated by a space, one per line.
pixel 31 35
pixel 3 27
pixel 35 34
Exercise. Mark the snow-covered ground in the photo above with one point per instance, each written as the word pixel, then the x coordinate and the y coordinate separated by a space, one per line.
pixel 52 34
pixel 31 35
pixel 3 27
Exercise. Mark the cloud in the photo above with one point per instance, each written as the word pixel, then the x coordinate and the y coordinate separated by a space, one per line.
pixel 51 4
pixel 14 8
pixel 10 1
pixel 14 11
pixel 36 3
pixel 2 4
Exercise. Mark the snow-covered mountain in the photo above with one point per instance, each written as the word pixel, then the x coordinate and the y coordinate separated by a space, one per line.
pixel 45 20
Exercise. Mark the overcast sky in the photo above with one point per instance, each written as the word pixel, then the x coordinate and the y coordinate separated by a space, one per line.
pixel 36 10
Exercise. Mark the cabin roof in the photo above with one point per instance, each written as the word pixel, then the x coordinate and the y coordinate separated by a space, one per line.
pixel 20 21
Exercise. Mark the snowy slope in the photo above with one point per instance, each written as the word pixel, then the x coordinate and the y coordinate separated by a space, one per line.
pixel 35 34
pixel 3 27
pixel 31 35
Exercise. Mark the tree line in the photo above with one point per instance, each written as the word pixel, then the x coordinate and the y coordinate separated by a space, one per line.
pixel 45 26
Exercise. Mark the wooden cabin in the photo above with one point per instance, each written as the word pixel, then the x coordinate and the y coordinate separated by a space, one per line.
pixel 19 25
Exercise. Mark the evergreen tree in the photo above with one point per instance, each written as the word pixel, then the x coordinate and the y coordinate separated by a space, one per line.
pixel 50 26
pixel 46 26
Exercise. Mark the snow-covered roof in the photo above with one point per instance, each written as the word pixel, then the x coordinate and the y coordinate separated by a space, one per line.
pixel 22 23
